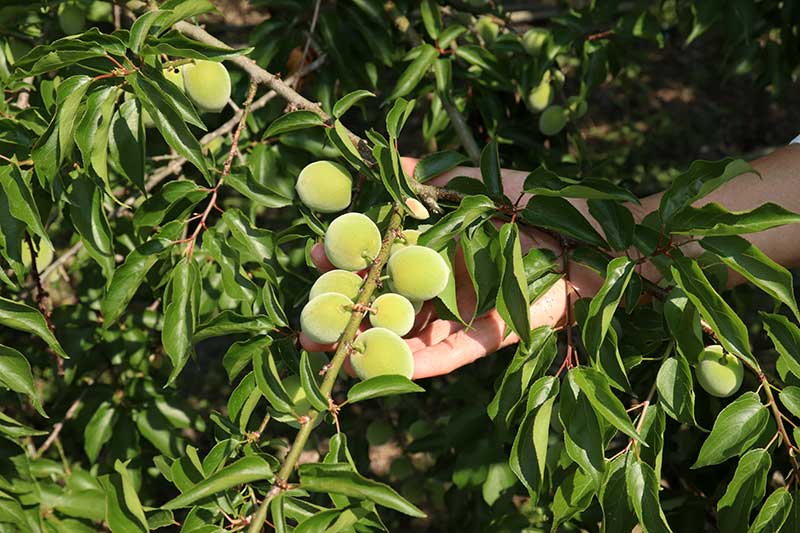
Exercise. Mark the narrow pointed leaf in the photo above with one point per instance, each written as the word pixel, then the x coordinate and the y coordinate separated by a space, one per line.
pixel 245 470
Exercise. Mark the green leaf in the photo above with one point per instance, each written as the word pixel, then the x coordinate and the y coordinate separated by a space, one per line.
pixel 296 120
pixel 89 219
pixel 642 485
pixel 544 182
pixel 701 178
pixel 141 28
pixel 512 299
pixel 583 439
pixel 241 353
pixel 618 514
pixel 20 200
pixel 126 143
pixel 529 451
pixel 12 428
pixel 790 398
pixel 124 511
pixel 754 265
pixel 182 9
pixel 774 512
pixel 714 220
pixel 19 316
pixel 91 134
pixel 729 328
pixel 683 322
pixel 559 215
pixel 15 373
pixel 490 169
pixel 180 315
pixel 396 118
pixel 431 18
pixel 573 494
pixel 786 338
pixel 338 478
pixel 174 96
pixel 595 386
pixel 388 385
pixel 744 492
pixel 68 112
pixel 413 74
pixel 245 470
pixel 450 34
pixel 129 276
pixel 98 430
pixel 229 323
pixel 616 220
pixel 270 383
pixel 437 163
pixel 174 43
pixel 472 209
pixel 606 301
pixel 349 100
pixel 735 430
pixel 243 182
pixel 256 242
pixel 676 390
pixel 308 380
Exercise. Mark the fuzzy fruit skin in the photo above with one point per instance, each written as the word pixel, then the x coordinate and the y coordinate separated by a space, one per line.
pixel 175 75
pixel 719 374
pixel 393 312
pixel 534 39
pixel 208 84
pixel 340 281
pixel 380 352
pixel 352 241
pixel 552 120
pixel 71 19
pixel 411 237
pixel 418 273
pixel 325 186
pixel 324 318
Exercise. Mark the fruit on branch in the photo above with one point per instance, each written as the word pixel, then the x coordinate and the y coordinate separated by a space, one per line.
pixel 418 273
pixel 71 19
pixel 324 318
pixel 393 312
pixel 325 186
pixel 208 84
pixel 409 237
pixel 175 75
pixel 339 281
pixel 297 394
pixel 719 374
pixel 352 241
pixel 552 120
pixel 534 39
pixel 542 95
pixel 380 352
pixel 44 255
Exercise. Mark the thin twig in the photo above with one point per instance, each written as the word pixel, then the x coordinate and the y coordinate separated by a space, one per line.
pixel 310 37
pixel 60 425
pixel 776 414
pixel 42 302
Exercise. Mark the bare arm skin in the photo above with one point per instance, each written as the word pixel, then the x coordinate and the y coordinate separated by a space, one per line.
pixel 442 346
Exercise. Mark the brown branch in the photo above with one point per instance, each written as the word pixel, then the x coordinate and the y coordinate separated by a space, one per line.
pixel 776 414
pixel 42 302
pixel 60 425
pixel 310 38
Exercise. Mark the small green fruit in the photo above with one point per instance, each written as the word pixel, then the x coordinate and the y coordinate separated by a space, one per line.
pixel 541 95
pixel 393 312
pixel 208 84
pixel 418 273
pixel 341 281
pixel 380 352
pixel 719 374
pixel 324 318
pixel 379 432
pixel 552 120
pixel 352 241
pixel 71 19
pixel 325 186
pixel 44 255
pixel 534 39
pixel 175 75
pixel 410 236
pixel 297 394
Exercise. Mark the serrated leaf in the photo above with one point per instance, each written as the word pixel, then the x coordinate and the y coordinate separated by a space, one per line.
pixel 388 385
pixel 15 373
pixel 736 428
pixel 245 470
pixel 296 120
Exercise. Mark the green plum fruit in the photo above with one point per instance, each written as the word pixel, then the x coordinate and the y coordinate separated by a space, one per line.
pixel 208 84
pixel 325 186
pixel 175 75
pixel 380 352
pixel 297 394
pixel 534 39
pixel 352 241
pixel 552 120
pixel 541 96
pixel 341 281
pixel 379 432
pixel 410 237
pixel 418 273
pixel 324 318
pixel 393 312
pixel 44 255
pixel 719 374
pixel 71 19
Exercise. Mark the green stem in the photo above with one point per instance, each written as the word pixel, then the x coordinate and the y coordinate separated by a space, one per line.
pixel 350 331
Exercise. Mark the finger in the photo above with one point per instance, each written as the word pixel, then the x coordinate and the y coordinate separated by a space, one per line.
pixel 466 297
pixel 434 333
pixel 423 318
pixel 319 258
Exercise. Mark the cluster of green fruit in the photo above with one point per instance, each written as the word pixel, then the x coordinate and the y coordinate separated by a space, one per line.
pixel 352 242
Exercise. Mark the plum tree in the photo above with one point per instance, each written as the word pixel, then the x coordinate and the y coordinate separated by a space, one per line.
pixel 380 352
pixel 552 120
pixel 719 374
pixel 409 237
pixel 208 84
pixel 340 281
pixel 352 241
pixel 44 255
pixel 324 318
pixel 393 312
pixel 324 186
pixel 418 272
pixel 71 19
pixel 540 96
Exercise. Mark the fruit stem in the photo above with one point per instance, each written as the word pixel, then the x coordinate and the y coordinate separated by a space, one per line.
pixel 342 351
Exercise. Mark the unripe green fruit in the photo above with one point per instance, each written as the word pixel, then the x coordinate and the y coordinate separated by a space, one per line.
pixel 175 75
pixel 393 312
pixel 297 394
pixel 552 120
pixel 71 19
pixel 379 432
pixel 720 374
pixel 208 84
pixel 339 281
pixel 325 186
pixel 533 40
pixel 352 241
pixel 418 273
pixel 380 352
pixel 324 318
pixel 540 96
pixel 44 255
pixel 410 237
